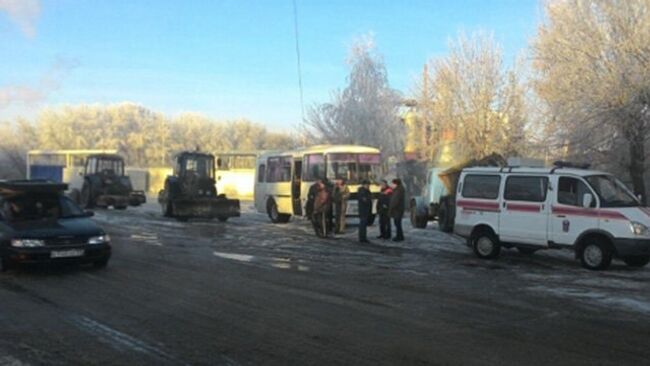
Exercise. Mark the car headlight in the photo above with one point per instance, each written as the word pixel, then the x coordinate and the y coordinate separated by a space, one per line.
pixel 101 239
pixel 27 243
pixel 639 229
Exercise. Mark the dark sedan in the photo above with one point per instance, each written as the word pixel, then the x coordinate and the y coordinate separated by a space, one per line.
pixel 39 224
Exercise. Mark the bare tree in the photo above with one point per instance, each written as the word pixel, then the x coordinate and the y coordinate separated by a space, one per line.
pixel 470 98
pixel 366 111
pixel 592 59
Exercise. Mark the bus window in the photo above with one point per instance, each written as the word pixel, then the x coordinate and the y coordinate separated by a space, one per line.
pixel 342 166
pixel 278 169
pixel 314 167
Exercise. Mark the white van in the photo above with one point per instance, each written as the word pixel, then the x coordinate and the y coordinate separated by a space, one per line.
pixel 529 209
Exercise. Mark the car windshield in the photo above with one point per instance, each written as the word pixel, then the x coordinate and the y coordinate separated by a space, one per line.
pixel 354 168
pixel 39 207
pixel 612 192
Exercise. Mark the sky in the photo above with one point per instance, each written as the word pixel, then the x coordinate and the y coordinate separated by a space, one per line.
pixel 227 59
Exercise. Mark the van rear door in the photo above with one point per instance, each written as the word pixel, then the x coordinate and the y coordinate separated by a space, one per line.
pixel 524 211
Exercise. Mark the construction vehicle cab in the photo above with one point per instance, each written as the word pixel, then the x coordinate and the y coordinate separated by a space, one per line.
pixel 191 191
pixel 106 184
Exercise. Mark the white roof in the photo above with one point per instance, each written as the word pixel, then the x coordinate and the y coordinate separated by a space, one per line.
pixel 326 149
pixel 539 171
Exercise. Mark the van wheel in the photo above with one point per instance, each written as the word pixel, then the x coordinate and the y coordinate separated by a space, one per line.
pixel 595 254
pixel 485 245
pixel 445 221
pixel 275 216
pixel 637 261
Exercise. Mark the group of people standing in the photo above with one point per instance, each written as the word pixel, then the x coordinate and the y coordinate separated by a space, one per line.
pixel 327 206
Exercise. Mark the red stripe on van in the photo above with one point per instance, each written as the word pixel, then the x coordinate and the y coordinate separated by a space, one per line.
pixel 575 211
pixel 524 207
pixel 478 205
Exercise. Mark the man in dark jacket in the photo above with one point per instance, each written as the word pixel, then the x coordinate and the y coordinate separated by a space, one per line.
pixel 365 209
pixel 396 208
pixel 382 210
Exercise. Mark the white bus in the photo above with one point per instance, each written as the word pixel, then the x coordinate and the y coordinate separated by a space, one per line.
pixel 283 178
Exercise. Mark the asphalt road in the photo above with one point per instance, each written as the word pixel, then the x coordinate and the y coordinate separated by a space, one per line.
pixel 248 292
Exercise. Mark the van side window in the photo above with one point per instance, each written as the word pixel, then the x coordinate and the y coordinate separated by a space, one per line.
pixel 261 172
pixel 531 189
pixel 570 192
pixel 481 186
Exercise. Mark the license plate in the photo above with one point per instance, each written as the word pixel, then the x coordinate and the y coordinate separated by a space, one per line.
pixel 67 253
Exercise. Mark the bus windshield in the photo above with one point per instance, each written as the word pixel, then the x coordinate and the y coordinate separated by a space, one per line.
pixel 354 168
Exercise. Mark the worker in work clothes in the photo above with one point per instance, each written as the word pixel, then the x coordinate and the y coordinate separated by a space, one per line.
pixel 365 209
pixel 341 196
pixel 396 208
pixel 383 203
pixel 321 212
pixel 311 196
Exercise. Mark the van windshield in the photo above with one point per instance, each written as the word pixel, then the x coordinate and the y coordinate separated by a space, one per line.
pixel 612 192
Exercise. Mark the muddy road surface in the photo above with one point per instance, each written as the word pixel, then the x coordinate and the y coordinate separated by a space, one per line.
pixel 248 292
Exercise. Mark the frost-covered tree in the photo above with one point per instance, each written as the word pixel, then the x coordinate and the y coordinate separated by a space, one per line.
pixel 592 59
pixel 365 112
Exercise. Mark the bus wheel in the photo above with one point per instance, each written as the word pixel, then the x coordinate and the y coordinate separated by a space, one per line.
pixel 275 216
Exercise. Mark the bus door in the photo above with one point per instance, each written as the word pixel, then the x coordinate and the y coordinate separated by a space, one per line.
pixel 295 187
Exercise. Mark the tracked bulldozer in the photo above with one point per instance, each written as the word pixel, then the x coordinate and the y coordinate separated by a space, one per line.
pixel 191 192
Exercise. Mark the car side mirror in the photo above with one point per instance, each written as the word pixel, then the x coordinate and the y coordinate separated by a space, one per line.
pixel 587 199
pixel 88 213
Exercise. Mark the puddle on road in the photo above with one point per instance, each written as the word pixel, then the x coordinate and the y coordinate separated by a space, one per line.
pixel 275 262
pixel 147 238
pixel 234 256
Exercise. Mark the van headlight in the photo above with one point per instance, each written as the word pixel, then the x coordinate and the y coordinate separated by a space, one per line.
pixel 27 243
pixel 101 239
pixel 639 229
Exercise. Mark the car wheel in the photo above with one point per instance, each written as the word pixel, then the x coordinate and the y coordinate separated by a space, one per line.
pixel 595 254
pixel 526 250
pixel 485 245
pixel 637 261
pixel 222 218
